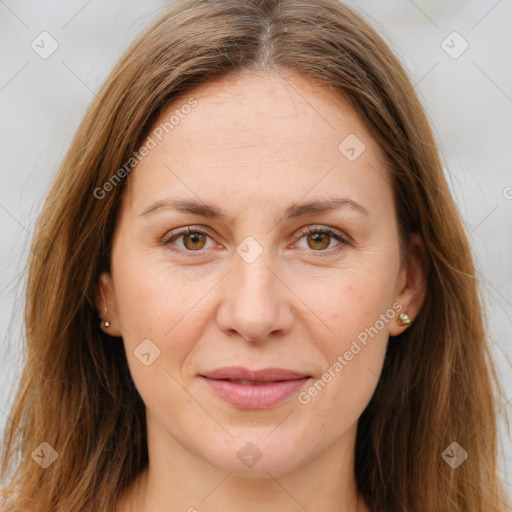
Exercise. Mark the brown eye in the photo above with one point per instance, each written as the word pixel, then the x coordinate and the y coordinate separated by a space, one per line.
pixel 194 241
pixel 319 241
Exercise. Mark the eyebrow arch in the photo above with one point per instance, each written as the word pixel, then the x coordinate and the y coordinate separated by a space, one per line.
pixel 292 212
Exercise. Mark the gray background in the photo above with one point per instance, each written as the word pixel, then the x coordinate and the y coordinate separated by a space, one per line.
pixel 468 99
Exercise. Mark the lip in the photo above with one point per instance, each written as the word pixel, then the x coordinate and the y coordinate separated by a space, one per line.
pixel 271 385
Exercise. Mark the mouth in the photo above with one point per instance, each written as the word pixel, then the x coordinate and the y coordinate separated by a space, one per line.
pixel 254 389
pixel 251 382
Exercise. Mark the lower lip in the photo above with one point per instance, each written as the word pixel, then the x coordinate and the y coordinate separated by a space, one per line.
pixel 247 396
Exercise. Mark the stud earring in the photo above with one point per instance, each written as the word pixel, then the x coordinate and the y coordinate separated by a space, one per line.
pixel 403 319
pixel 106 323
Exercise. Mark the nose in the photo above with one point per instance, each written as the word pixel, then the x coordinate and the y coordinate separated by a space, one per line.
pixel 255 302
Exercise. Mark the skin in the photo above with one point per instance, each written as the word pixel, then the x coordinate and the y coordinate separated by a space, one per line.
pixel 255 144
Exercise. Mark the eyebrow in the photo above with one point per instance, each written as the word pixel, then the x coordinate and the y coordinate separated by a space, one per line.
pixel 214 212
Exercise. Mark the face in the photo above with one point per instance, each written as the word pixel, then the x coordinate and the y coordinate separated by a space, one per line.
pixel 251 270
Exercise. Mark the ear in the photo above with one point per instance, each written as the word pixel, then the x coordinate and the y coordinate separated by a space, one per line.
pixel 412 283
pixel 106 305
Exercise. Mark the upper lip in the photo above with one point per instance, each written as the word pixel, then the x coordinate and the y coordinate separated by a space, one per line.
pixel 264 375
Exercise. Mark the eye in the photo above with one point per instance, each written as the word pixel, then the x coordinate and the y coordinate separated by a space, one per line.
pixel 319 238
pixel 194 239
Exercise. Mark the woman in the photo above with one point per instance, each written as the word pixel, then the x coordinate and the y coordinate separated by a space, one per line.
pixel 255 209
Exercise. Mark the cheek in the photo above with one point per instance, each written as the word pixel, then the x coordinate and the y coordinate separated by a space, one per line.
pixel 355 307
pixel 152 297
pixel 160 326
pixel 338 396
pixel 158 322
pixel 346 301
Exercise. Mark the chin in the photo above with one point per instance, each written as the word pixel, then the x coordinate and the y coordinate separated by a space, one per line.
pixel 258 455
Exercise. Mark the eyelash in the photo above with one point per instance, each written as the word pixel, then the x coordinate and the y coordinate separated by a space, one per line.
pixel 333 233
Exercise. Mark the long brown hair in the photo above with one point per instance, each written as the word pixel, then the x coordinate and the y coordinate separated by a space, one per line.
pixel 438 384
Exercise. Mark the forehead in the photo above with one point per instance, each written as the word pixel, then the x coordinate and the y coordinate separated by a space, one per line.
pixel 266 135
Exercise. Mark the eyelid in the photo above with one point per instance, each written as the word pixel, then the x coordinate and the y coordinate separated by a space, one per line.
pixel 321 228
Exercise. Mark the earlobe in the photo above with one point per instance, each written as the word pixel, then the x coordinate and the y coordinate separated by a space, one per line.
pixel 411 285
pixel 106 305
